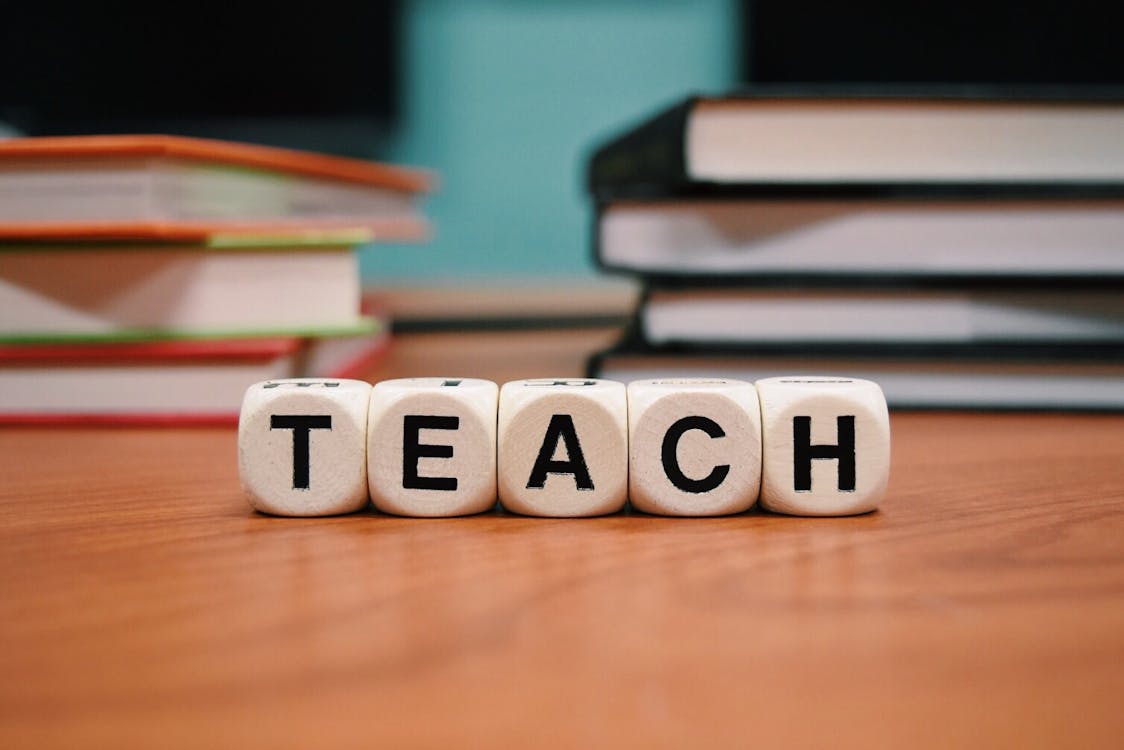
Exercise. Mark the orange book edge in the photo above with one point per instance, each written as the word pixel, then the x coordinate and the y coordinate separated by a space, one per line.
pixel 221 233
pixel 218 152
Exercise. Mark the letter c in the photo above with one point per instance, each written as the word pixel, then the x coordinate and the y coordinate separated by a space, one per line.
pixel 671 462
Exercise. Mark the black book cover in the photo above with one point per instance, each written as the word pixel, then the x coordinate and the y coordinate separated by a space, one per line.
pixel 648 161
pixel 1043 378
pixel 930 278
pixel 632 344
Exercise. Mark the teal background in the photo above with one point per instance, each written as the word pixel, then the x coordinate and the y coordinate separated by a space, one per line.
pixel 504 100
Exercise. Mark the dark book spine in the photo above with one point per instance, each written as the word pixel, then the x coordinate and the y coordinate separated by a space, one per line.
pixel 595 364
pixel 631 339
pixel 898 192
pixel 647 158
pixel 926 280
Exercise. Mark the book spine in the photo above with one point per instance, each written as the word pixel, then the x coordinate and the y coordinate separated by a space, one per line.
pixel 679 188
pixel 631 341
pixel 921 280
pixel 648 158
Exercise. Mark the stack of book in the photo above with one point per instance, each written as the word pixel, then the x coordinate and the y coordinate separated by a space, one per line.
pixel 152 278
pixel 963 250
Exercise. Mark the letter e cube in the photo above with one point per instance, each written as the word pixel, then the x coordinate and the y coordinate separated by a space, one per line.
pixel 431 446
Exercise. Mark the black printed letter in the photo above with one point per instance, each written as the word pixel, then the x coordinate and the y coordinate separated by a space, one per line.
pixel 803 452
pixel 561 426
pixel 671 462
pixel 412 450
pixel 300 425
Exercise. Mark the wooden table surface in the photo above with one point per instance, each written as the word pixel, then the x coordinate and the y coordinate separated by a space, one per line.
pixel 142 603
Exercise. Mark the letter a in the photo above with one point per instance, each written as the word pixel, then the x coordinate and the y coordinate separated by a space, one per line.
pixel 561 427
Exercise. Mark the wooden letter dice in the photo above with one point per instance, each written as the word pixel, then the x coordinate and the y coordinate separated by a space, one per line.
pixel 694 446
pixel 826 445
pixel 563 447
pixel 431 446
pixel 302 446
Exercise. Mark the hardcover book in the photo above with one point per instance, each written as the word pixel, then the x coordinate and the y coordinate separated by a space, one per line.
pixel 109 292
pixel 954 240
pixel 925 376
pixel 769 136
pixel 167 381
pixel 122 186
pixel 749 318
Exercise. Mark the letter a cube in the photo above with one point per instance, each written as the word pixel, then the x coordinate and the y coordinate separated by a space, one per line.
pixel 826 445
pixel 431 446
pixel 563 447
pixel 302 446
pixel 694 446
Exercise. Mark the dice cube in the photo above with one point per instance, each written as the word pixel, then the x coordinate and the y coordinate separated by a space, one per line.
pixel 694 446
pixel 431 446
pixel 302 446
pixel 826 445
pixel 563 447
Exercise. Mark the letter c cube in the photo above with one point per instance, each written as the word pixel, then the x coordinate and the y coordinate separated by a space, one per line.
pixel 694 446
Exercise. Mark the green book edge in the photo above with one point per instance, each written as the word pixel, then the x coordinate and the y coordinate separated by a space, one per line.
pixel 363 326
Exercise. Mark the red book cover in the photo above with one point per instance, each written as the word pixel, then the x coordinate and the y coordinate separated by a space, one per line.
pixel 119 379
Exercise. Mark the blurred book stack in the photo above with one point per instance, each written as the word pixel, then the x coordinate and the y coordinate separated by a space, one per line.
pixel 152 278
pixel 965 250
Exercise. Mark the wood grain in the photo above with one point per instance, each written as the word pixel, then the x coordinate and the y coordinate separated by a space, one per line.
pixel 143 604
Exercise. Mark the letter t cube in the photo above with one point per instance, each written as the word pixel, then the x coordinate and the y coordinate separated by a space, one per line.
pixel 302 446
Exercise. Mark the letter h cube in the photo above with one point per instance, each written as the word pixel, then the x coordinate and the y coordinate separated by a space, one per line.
pixel 826 445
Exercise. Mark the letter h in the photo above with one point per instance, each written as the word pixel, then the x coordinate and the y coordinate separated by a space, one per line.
pixel 803 453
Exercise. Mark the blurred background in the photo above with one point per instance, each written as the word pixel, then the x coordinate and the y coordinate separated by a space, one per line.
pixel 504 99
